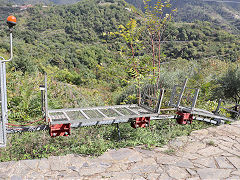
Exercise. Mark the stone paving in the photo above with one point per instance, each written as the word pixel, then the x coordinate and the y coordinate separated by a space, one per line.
pixel 212 153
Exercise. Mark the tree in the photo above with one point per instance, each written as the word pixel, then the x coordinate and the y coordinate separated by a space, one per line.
pixel 229 85
pixel 157 16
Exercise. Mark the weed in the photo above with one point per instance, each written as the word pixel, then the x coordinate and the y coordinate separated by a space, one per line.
pixel 211 143
pixel 170 151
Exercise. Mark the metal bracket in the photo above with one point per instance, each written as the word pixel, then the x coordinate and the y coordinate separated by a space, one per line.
pixel 140 122
pixel 184 118
pixel 59 130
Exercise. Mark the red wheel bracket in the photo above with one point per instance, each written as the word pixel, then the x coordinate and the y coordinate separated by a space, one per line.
pixel 59 130
pixel 140 122
pixel 184 118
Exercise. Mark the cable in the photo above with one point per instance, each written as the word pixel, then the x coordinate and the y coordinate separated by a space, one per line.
pixel 9 124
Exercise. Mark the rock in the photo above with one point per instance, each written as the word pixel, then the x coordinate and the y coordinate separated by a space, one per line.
pixel 229 150
pixel 233 178
pixel 148 165
pixel 210 151
pixel 190 156
pixel 177 173
pixel 166 159
pixel 57 164
pixel 5 166
pixel 206 162
pixel 185 163
pixel 117 167
pixel 164 176
pixel 212 173
pixel 44 165
pixel 191 172
pixel 193 178
pixel 178 142
pixel 237 146
pixel 146 153
pixel 32 164
pixel 138 177
pixel 141 167
pixel 223 163
pixel 235 161
pixel 20 170
pixel 125 155
pixel 161 149
pixel 153 176
pixel 117 175
pixel 201 132
pixel 16 178
pixel 93 168
pixel 194 147
pixel 77 161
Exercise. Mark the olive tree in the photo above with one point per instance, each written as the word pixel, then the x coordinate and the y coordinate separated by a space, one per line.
pixel 229 85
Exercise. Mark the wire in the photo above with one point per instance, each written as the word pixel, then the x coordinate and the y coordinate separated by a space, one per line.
pixel 9 124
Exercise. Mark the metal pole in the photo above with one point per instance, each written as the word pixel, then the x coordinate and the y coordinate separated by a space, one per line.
pixel 46 99
pixel 3 135
pixel 118 130
pixel 218 107
pixel 181 94
pixel 11 48
pixel 160 101
pixel 194 100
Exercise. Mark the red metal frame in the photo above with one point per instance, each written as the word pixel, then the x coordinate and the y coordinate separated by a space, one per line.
pixel 140 122
pixel 59 130
pixel 184 118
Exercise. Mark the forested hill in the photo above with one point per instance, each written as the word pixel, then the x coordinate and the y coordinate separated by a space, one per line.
pixel 21 2
pixel 77 37
pixel 226 14
pixel 68 36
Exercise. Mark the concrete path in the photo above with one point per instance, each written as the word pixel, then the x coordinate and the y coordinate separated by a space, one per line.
pixel 212 153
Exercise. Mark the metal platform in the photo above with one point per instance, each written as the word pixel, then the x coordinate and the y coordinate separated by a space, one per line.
pixel 205 113
pixel 100 115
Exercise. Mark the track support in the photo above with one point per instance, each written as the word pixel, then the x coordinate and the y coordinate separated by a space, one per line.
pixel 59 130
pixel 118 131
pixel 184 118
pixel 140 122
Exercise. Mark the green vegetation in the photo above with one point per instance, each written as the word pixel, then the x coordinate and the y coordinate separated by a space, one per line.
pixel 93 140
pixel 88 66
pixel 224 15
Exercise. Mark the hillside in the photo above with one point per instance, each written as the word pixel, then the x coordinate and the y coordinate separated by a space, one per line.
pixel 21 2
pixel 225 14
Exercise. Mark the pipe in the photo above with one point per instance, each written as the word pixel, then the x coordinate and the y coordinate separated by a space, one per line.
pixel 11 50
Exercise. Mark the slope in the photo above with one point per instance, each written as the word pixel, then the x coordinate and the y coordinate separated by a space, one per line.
pixel 226 14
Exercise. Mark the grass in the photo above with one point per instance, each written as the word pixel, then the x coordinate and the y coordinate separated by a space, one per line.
pixel 170 152
pixel 211 143
pixel 93 140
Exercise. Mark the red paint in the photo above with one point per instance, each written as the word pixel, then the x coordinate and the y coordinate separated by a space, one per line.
pixel 59 130
pixel 184 118
pixel 140 122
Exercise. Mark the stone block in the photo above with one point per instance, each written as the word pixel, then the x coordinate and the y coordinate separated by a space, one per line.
pixel 212 173
pixel 177 173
